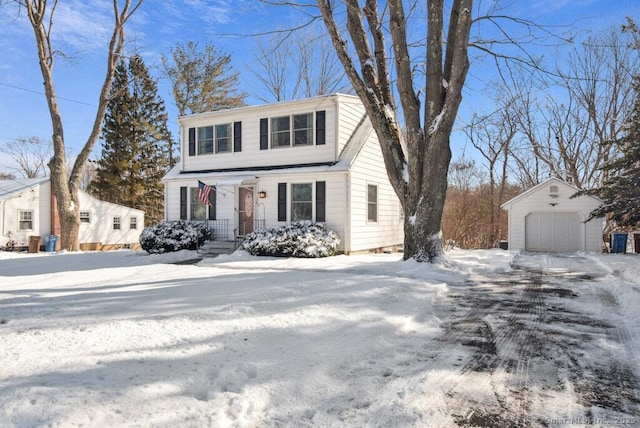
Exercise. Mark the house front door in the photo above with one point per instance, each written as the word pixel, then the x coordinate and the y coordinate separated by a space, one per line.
pixel 245 210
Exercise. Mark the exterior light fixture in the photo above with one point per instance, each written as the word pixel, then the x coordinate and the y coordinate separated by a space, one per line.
pixel 262 194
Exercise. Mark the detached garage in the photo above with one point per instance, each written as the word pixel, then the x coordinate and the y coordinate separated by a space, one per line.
pixel 545 218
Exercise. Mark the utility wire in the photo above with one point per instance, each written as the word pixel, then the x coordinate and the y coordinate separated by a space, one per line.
pixel 42 93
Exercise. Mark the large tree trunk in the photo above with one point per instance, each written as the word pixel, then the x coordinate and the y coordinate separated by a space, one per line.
pixel 417 158
pixel 66 187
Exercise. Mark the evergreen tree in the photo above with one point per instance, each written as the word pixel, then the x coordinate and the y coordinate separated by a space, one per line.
pixel 620 191
pixel 137 148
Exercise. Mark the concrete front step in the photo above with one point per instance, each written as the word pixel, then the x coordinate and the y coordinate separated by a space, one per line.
pixel 215 248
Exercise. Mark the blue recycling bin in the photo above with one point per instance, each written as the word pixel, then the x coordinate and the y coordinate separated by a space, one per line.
pixel 619 244
pixel 50 247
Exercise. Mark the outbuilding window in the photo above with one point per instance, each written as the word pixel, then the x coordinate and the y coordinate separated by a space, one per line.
pixel 25 220
pixel 85 217
pixel 116 223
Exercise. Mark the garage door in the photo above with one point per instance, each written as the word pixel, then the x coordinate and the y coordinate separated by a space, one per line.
pixel 557 232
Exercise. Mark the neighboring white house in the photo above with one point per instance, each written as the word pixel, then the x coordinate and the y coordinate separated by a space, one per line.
pixel 316 159
pixel 546 218
pixel 26 210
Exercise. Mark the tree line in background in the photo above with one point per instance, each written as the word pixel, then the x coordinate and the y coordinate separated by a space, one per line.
pixel 573 119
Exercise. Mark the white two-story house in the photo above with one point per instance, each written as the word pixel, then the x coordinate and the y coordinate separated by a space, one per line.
pixel 316 159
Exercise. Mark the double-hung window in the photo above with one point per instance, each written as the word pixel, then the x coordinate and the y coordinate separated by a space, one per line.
pixel 25 220
pixel 198 208
pixel 205 140
pixel 301 202
pixel 223 138
pixel 372 203
pixel 303 129
pixel 85 217
pixel 133 223
pixel 281 131
pixel 116 223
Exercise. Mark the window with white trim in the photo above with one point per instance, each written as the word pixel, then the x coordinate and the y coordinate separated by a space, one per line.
pixel 133 223
pixel 198 208
pixel 301 201
pixel 25 220
pixel 223 138
pixel 85 217
pixel 372 203
pixel 283 134
pixel 116 223
pixel 205 140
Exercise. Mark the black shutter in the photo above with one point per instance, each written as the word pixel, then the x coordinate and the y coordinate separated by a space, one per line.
pixel 237 136
pixel 320 127
pixel 264 134
pixel 212 199
pixel 192 141
pixel 282 201
pixel 320 201
pixel 183 203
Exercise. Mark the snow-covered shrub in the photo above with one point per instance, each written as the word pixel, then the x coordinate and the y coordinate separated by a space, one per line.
pixel 168 236
pixel 297 239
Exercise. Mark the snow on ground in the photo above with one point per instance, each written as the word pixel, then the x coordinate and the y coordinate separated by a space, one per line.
pixel 128 339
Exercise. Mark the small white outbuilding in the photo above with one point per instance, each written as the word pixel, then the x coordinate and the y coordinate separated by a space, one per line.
pixel 546 218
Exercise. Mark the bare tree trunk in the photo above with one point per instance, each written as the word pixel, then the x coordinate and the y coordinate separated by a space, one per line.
pixel 66 187
pixel 417 161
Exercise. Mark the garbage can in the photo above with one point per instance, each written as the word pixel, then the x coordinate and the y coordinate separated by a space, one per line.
pixel 636 242
pixel 619 243
pixel 504 245
pixel 50 247
pixel 34 244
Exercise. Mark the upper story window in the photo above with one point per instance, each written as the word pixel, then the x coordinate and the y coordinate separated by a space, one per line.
pixel 85 217
pixel 283 134
pixel 222 138
pixel 25 220
pixel 304 129
pixel 205 140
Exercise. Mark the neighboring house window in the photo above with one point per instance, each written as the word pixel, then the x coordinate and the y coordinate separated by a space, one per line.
pixel 133 222
pixel 85 217
pixel 372 203
pixel 205 140
pixel 301 202
pixel 25 220
pixel 116 223
pixel 223 138
pixel 198 208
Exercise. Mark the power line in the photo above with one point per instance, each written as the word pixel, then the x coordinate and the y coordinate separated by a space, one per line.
pixel 42 93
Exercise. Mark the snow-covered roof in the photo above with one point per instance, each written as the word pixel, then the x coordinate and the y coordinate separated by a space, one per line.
pixel 19 185
pixel 531 190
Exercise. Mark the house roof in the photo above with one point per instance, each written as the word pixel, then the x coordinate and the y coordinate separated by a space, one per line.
pixel 531 190
pixel 12 187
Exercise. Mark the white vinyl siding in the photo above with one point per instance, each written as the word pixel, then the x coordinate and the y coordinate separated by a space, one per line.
pixel 251 156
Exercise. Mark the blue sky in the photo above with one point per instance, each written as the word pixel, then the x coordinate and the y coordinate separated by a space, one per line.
pixel 82 28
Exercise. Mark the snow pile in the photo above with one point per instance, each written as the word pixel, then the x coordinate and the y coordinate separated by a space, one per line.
pixel 298 239
pixel 169 236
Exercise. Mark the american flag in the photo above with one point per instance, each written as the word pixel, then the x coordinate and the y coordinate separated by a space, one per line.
pixel 203 192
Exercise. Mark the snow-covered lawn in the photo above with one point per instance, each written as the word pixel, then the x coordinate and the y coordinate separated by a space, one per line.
pixel 129 339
